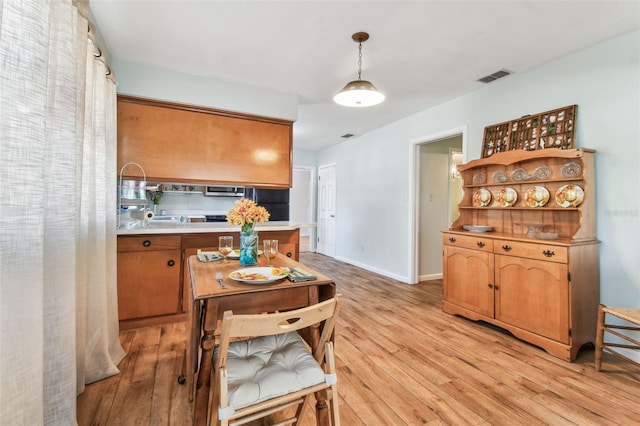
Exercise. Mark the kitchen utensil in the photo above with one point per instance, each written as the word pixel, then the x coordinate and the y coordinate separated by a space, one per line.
pixel 219 279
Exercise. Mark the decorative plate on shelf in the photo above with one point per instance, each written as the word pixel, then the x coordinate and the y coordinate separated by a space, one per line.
pixel 520 175
pixel 481 198
pixel 569 196
pixel 571 170
pixel 259 275
pixel 542 172
pixel 536 196
pixel 477 228
pixel 500 177
pixel 506 197
pixel 479 178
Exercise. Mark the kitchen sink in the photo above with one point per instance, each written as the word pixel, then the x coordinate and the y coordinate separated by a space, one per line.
pixel 166 219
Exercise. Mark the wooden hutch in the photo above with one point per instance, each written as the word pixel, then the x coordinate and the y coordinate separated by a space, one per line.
pixel 534 272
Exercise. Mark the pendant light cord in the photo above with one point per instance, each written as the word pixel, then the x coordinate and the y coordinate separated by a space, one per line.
pixel 359 60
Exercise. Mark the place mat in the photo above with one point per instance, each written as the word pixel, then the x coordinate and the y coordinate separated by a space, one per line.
pixel 296 275
pixel 209 256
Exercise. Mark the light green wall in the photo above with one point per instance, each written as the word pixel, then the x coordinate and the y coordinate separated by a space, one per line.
pixel 603 80
pixel 157 83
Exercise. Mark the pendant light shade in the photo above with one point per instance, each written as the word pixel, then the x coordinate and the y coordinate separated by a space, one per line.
pixel 359 93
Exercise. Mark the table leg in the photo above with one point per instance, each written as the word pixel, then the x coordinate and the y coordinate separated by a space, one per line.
pixel 203 384
pixel 193 341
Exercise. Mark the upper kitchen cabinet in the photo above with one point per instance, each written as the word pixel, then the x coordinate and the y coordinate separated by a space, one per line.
pixel 184 143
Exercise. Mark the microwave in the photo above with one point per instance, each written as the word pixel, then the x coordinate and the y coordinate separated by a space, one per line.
pixel 224 191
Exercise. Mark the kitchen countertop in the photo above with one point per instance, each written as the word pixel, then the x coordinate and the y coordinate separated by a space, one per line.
pixel 200 227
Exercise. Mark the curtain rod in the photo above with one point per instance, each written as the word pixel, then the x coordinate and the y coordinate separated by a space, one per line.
pixel 97 51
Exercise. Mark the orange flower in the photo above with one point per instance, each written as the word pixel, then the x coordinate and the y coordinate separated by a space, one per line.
pixel 246 213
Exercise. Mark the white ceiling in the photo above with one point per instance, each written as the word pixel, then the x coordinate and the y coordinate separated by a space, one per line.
pixel 420 53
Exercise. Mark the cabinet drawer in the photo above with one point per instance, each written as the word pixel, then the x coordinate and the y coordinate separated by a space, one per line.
pixel 470 242
pixel 532 251
pixel 148 243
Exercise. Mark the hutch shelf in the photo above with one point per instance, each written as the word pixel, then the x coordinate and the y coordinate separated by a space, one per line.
pixel 534 269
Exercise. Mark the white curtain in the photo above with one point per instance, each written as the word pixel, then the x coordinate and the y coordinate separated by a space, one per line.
pixel 58 304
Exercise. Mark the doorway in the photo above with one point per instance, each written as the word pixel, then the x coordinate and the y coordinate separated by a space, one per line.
pixel 327 210
pixel 302 206
pixel 430 200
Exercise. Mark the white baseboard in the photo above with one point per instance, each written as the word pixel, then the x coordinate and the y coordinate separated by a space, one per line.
pixel 370 268
pixel 430 277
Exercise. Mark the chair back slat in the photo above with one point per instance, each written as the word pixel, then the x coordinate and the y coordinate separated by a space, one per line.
pixel 255 325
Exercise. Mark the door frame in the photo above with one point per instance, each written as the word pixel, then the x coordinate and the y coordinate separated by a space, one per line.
pixel 414 194
pixel 312 208
pixel 335 194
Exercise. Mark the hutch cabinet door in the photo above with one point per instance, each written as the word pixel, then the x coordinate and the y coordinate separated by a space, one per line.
pixel 468 279
pixel 533 295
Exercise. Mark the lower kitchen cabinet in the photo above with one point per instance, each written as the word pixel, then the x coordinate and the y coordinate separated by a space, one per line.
pixel 148 276
pixel 288 241
pixel 151 280
pixel 544 293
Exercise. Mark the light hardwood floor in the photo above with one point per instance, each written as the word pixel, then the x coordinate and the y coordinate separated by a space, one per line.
pixel 401 361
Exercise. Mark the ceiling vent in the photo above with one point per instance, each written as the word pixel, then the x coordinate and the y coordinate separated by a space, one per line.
pixel 495 76
pixel 347 135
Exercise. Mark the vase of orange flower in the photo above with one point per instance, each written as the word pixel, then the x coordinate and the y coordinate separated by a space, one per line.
pixel 246 213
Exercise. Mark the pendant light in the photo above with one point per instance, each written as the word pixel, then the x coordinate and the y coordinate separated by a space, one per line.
pixel 359 93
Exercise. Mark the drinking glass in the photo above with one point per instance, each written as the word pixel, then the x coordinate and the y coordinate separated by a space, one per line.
pixel 270 249
pixel 225 246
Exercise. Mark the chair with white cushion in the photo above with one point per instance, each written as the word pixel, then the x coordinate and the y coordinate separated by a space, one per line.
pixel 273 368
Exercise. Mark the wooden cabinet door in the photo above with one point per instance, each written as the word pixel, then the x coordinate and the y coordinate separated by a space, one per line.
pixel 178 143
pixel 148 283
pixel 468 279
pixel 533 295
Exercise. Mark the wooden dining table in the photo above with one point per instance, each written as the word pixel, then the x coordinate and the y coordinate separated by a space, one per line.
pixel 207 302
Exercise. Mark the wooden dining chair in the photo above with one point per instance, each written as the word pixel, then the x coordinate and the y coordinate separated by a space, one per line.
pixel 273 368
pixel 629 315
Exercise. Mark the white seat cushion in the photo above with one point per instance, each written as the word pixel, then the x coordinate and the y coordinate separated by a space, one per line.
pixel 270 366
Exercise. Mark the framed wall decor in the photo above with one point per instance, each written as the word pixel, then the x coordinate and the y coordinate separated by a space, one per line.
pixel 549 129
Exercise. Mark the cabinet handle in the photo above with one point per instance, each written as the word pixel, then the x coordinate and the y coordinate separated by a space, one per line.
pixel 495 287
pixel 146 243
pixel 289 254
pixel 171 262
pixel 453 240
pixel 480 244
pixel 506 248
pixel 490 285
pixel 548 253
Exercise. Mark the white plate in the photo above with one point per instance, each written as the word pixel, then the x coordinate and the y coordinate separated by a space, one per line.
pixel 477 228
pixel 506 197
pixel 481 198
pixel 235 254
pixel 569 196
pixel 536 196
pixel 259 275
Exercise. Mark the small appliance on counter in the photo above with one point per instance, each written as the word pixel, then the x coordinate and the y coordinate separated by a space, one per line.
pixel 215 218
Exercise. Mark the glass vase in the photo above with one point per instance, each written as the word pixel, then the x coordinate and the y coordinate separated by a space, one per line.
pixel 248 248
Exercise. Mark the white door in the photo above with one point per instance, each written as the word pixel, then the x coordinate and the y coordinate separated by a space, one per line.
pixel 327 210
pixel 302 205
